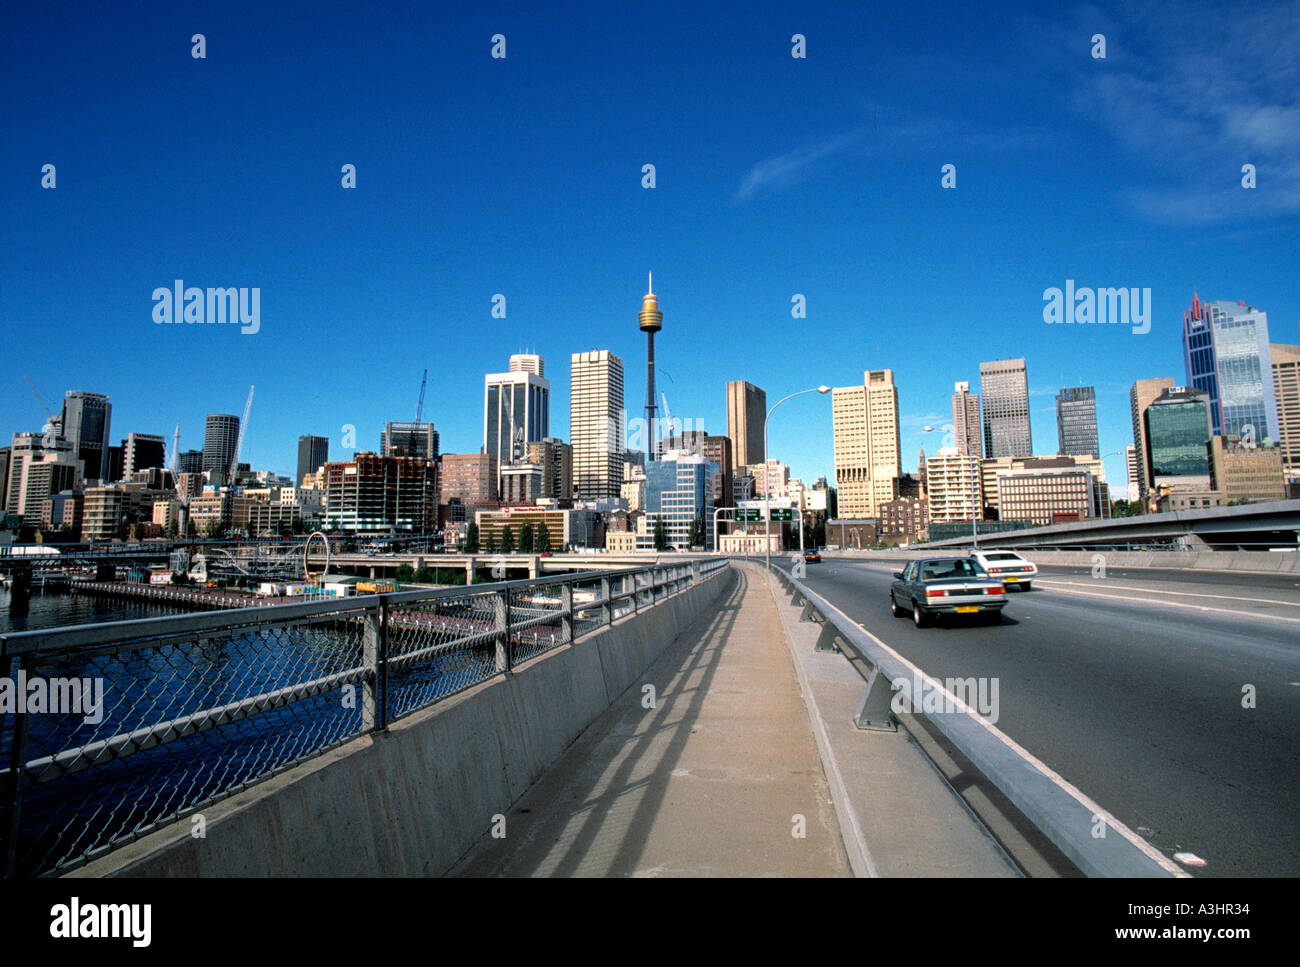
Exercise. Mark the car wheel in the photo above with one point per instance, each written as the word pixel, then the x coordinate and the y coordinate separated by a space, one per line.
pixel 919 617
pixel 893 606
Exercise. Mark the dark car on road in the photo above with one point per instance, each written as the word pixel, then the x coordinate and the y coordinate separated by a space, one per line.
pixel 946 585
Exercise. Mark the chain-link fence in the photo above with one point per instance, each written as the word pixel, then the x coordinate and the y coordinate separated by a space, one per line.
pixel 112 730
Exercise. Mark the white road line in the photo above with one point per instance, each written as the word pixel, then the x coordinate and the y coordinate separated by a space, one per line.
pixel 1187 594
pixel 1183 604
pixel 1055 777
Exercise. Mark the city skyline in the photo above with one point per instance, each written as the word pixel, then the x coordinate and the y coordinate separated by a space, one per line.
pixel 809 235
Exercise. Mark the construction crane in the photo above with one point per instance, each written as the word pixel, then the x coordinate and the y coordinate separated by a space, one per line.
pixel 419 407
pixel 53 421
pixel 239 442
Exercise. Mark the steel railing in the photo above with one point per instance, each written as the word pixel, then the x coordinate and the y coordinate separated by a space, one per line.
pixel 1064 815
pixel 194 708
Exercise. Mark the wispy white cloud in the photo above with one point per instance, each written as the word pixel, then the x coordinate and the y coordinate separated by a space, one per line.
pixel 789 169
pixel 1193 91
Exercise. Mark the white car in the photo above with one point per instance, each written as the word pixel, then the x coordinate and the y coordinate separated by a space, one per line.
pixel 1010 567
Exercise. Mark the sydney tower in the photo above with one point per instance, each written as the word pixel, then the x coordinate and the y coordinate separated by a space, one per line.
pixel 652 320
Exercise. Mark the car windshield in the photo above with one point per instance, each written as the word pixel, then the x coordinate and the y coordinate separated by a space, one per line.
pixel 939 570
pixel 1002 557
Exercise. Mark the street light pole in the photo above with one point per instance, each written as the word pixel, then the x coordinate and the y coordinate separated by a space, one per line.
pixel 767 489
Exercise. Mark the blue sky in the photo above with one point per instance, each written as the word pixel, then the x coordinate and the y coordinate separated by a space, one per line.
pixel 775 176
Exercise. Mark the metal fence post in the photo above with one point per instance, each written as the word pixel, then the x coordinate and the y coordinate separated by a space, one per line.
pixel 382 722
pixel 501 613
pixel 606 609
pixel 636 598
pixel 370 658
pixel 566 611
pixel 695 573
pixel 13 791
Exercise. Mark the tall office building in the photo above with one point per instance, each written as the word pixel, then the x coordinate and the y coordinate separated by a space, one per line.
pixel 1142 394
pixel 1226 349
pixel 516 410
pixel 142 451
pixel 966 420
pixel 313 453
pixel 1131 463
pixel 716 449
pixel 470 478
pixel 1004 385
pixel 220 437
pixel 86 418
pixel 1076 422
pixel 1178 439
pixel 678 489
pixel 595 408
pixel 746 411
pixel 555 457
pixel 1286 384
pixel 409 440
pixel 866 443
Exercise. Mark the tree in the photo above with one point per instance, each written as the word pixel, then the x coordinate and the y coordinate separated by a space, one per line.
pixel 507 540
pixel 172 531
pixel 471 538
pixel 695 535
pixel 425 575
pixel 526 537
pixel 661 534
pixel 213 528
pixel 543 538
pixel 405 573
pixel 491 546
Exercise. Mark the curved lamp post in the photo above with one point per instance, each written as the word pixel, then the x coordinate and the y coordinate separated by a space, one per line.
pixel 767 489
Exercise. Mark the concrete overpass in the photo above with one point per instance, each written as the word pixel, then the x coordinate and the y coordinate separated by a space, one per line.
pixel 1247 527
pixel 379 565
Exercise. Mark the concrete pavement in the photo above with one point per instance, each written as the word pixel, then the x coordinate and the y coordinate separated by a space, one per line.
pixel 727 775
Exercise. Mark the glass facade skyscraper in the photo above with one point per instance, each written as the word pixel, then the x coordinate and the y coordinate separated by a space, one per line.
pixel 1226 349
pixel 516 410
pixel 679 488
pixel 1178 435
pixel 1004 385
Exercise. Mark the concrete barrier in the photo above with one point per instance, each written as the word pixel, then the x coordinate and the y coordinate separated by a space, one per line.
pixel 1260 562
pixel 413 800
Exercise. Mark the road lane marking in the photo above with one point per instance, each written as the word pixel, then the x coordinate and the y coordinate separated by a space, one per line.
pixel 1184 604
pixel 1188 594
pixel 1053 776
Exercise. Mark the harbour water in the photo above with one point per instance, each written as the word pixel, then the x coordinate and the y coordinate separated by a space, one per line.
pixel 54 610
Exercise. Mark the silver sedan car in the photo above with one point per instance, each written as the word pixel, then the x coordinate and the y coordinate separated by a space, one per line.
pixel 946 585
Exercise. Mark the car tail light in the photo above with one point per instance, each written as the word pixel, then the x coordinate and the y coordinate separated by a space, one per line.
pixel 996 570
pixel 935 593
pixel 995 590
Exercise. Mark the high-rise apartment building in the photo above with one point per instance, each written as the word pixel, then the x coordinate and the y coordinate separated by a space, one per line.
pixel 142 451
pixel 190 461
pixel 1076 422
pixel 1131 464
pixel 220 437
pixel 595 408
pixel 1142 394
pixel 86 418
pixel 1226 349
pixel 966 420
pixel 866 444
pixel 1004 386
pixel 38 467
pixel 313 453
pixel 1286 384
pixel 516 409
pixel 746 411
pixel 409 440
pixel 1252 473
pixel 952 486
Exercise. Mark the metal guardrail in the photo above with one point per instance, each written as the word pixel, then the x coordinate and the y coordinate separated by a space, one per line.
pixel 1064 815
pixel 195 708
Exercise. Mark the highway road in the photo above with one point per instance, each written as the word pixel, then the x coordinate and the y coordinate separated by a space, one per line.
pixel 1131 687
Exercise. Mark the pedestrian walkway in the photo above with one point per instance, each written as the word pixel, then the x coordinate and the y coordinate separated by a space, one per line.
pixel 714 774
